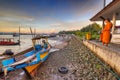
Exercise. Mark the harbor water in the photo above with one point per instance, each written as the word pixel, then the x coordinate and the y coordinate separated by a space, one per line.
pixel 25 43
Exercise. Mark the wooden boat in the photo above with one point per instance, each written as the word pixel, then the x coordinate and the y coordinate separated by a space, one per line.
pixel 32 60
pixel 15 34
pixel 8 41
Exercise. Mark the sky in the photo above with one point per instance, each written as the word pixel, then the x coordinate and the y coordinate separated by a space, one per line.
pixel 47 16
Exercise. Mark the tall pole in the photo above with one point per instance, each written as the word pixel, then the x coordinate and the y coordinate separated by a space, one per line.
pixel 114 23
pixel 103 7
pixel 19 35
pixel 34 32
pixel 104 3
pixel 31 32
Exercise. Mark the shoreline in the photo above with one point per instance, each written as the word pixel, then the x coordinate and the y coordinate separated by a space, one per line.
pixel 76 57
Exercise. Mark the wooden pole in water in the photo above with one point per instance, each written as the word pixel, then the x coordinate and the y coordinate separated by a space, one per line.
pixel 31 32
pixel 34 32
pixel 19 35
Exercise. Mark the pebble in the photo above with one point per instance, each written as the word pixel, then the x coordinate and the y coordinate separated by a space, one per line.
pixel 80 61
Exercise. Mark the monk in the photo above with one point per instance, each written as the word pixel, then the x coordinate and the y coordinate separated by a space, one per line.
pixel 106 32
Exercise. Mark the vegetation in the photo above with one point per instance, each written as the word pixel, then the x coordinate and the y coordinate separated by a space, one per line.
pixel 93 29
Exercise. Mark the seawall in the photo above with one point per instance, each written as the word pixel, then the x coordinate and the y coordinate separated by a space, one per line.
pixel 110 56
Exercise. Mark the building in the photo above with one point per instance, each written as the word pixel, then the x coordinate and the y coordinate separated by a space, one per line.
pixel 111 11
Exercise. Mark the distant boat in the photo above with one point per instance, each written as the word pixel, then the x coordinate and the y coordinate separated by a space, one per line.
pixel 15 34
pixel 8 41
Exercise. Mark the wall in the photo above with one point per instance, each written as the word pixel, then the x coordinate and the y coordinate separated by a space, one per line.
pixel 110 56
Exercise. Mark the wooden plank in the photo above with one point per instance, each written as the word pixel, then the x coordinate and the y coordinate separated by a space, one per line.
pixel 23 60
pixel 18 54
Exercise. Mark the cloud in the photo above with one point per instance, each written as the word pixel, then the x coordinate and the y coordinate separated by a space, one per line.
pixel 50 16
pixel 57 24
pixel 71 25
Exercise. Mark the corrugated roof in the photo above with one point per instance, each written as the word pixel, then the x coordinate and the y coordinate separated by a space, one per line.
pixel 108 11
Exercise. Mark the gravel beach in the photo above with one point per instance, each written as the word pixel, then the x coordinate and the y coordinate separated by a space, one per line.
pixel 72 54
pixel 78 59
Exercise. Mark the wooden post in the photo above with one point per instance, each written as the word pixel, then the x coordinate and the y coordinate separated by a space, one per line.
pixel 31 32
pixel 19 35
pixel 114 23
pixel 34 32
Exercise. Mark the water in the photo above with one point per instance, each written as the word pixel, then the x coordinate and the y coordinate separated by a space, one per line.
pixel 26 43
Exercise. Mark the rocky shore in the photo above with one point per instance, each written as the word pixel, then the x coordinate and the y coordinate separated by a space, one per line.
pixel 78 59
pixel 72 54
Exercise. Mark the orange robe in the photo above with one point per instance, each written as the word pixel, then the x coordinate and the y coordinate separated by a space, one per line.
pixel 106 33
pixel 101 36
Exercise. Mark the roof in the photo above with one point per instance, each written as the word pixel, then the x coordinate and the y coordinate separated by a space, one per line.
pixel 108 11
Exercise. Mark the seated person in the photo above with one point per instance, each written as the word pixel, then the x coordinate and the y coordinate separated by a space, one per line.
pixel 45 45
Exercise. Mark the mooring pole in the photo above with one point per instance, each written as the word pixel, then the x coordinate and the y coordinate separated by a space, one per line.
pixel 19 35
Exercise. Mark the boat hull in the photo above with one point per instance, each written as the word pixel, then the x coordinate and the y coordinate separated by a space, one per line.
pixel 8 43
pixel 32 70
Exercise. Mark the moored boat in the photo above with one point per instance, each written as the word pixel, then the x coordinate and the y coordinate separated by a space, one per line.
pixel 8 41
pixel 32 59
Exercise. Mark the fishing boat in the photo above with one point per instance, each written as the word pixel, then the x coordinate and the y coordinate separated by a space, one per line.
pixel 8 41
pixel 15 34
pixel 32 59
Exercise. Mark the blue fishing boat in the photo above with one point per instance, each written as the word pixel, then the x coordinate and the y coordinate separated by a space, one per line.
pixel 32 59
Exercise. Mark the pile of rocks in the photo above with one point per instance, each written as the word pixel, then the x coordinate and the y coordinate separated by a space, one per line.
pixel 80 62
